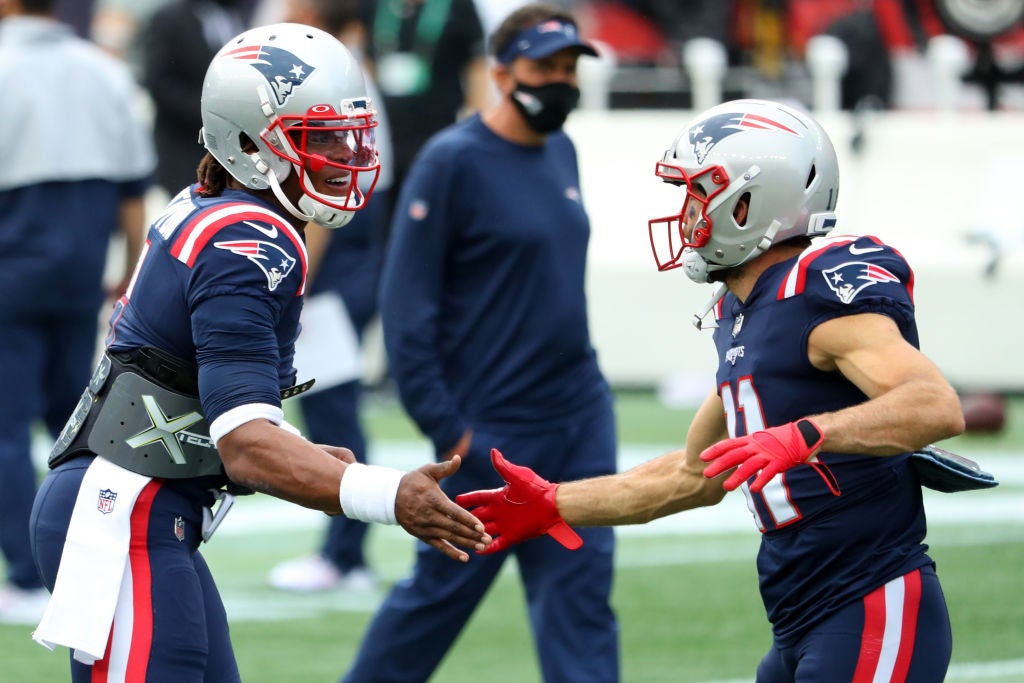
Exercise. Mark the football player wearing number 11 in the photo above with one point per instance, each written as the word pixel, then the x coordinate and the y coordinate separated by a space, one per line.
pixel 822 394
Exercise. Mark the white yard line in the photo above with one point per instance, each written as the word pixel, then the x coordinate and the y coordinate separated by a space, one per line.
pixel 967 671
pixel 976 671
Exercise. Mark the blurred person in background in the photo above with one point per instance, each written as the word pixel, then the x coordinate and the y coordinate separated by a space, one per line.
pixel 344 273
pixel 77 160
pixel 177 44
pixel 116 25
pixel 429 60
pixel 76 13
pixel 487 335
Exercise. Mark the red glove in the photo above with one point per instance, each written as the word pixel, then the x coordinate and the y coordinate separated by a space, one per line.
pixel 522 509
pixel 771 451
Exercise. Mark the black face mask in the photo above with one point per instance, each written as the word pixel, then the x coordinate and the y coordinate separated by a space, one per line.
pixel 545 107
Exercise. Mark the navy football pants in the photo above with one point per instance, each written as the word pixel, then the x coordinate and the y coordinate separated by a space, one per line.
pixel 179 633
pixel 899 633
pixel 567 592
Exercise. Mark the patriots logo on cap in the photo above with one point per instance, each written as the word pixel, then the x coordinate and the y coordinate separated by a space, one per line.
pixel 283 70
pixel 556 25
pixel 709 132
pixel 848 279
pixel 271 259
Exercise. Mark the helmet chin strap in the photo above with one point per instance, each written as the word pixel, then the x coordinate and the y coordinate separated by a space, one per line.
pixel 698 270
pixel 308 209
pixel 275 185
pixel 324 215
pixel 716 296
pixel 763 244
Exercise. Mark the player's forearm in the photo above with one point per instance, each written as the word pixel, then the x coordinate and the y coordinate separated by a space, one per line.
pixel 657 488
pixel 901 420
pixel 268 459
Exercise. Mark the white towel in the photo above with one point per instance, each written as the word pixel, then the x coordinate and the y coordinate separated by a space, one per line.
pixel 92 570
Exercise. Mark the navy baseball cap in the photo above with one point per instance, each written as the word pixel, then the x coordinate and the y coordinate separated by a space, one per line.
pixel 544 39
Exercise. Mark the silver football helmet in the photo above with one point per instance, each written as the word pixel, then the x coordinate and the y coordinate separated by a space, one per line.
pixel 775 158
pixel 299 95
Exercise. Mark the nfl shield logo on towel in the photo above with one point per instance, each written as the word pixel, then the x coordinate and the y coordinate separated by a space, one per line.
pixel 105 504
pixel 179 528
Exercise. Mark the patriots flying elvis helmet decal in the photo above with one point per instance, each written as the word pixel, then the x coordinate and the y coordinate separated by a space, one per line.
pixel 708 133
pixel 282 69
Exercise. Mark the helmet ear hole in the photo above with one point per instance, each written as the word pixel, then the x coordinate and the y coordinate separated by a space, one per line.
pixel 246 144
pixel 742 209
pixel 810 176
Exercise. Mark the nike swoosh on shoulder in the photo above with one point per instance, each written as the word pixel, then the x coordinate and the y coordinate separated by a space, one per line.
pixel 866 250
pixel 270 232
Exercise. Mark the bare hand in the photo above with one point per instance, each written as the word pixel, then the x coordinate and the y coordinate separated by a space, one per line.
pixel 427 513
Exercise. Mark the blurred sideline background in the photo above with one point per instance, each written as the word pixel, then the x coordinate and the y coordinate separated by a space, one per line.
pixel 925 104
pixel 929 130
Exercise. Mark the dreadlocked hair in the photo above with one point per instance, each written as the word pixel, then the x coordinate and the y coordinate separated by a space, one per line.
pixel 212 177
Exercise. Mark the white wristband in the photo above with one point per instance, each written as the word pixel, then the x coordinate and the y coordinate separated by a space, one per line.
pixel 368 493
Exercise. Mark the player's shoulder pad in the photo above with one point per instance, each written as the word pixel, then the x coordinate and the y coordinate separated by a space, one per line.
pixel 248 231
pixel 844 267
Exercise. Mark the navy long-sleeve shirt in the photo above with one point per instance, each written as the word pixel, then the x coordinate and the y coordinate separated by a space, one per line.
pixel 482 294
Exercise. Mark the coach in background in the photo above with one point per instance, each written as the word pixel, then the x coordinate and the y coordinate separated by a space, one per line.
pixel 77 159
pixel 823 401
pixel 485 325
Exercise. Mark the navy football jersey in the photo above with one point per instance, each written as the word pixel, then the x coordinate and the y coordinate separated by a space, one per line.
pixel 834 531
pixel 220 283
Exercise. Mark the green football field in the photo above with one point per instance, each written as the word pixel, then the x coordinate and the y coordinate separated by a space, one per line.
pixel 685 586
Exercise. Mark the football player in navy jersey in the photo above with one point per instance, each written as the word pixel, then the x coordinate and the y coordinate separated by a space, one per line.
pixel 184 409
pixel 822 395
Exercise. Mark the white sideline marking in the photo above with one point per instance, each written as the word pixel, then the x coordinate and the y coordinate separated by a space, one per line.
pixel 973 671
pixel 968 671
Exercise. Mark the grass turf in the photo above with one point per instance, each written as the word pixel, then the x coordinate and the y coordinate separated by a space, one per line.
pixel 688 606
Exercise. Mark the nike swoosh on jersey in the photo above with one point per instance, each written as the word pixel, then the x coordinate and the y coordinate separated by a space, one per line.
pixel 866 250
pixel 270 232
